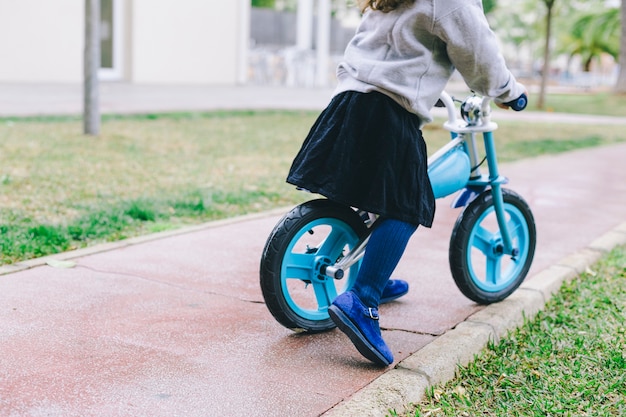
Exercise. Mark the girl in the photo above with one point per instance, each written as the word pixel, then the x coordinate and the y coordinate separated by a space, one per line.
pixel 366 148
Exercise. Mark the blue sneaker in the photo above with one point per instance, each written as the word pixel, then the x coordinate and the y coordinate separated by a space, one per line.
pixel 394 289
pixel 360 324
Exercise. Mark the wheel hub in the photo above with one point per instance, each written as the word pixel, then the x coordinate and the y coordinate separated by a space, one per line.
pixel 497 247
pixel 321 262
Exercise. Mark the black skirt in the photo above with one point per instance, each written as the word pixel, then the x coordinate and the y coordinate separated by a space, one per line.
pixel 367 151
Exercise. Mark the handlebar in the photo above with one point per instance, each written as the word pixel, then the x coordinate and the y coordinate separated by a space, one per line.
pixel 448 103
pixel 475 111
pixel 519 103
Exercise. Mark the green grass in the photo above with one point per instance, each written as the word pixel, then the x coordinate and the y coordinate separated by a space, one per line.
pixel 61 190
pixel 605 104
pixel 544 146
pixel 570 360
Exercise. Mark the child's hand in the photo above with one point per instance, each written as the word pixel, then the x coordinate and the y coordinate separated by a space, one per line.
pixel 518 104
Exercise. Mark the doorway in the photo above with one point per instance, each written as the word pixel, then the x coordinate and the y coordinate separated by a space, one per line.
pixel 111 40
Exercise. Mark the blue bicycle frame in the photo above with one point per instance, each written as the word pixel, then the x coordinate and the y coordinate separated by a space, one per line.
pixel 456 166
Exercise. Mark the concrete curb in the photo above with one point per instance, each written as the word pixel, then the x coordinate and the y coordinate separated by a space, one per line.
pixel 438 361
pixel 105 247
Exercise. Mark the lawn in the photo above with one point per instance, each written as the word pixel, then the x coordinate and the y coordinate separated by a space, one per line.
pixel 605 104
pixel 61 190
pixel 570 360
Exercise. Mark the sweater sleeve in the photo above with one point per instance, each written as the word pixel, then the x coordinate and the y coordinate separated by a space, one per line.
pixel 474 51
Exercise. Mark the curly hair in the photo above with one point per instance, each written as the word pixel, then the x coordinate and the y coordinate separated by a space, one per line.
pixel 383 5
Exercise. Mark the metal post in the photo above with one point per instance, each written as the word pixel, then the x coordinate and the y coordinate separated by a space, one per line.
pixel 244 33
pixel 304 26
pixel 323 42
pixel 91 110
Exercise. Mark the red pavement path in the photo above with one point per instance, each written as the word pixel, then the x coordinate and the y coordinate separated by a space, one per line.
pixel 176 326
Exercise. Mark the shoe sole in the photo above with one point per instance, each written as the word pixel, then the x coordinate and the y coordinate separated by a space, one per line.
pixel 364 347
pixel 392 298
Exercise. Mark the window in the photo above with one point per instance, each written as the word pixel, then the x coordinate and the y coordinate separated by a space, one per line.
pixel 111 44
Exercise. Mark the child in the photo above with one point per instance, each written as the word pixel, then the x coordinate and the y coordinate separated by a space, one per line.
pixel 366 148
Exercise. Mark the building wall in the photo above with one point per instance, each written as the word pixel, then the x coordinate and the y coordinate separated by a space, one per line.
pixel 41 40
pixel 165 41
pixel 185 41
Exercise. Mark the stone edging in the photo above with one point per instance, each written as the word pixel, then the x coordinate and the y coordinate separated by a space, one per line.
pixel 438 361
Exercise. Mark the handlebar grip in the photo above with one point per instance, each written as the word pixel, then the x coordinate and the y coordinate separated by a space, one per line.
pixel 519 103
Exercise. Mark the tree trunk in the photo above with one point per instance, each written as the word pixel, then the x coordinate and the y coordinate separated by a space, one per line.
pixel 91 110
pixel 545 72
pixel 620 87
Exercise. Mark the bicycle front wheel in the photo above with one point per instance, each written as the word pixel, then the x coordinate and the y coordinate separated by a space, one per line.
pixel 315 234
pixel 479 266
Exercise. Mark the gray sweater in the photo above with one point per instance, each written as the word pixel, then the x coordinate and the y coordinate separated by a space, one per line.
pixel 410 54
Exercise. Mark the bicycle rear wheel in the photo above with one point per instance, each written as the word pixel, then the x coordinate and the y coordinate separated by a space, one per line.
pixel 479 267
pixel 312 235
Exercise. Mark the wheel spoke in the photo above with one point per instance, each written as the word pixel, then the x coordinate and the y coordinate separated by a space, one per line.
pixel 299 266
pixel 482 240
pixel 494 266
pixel 333 244
pixel 325 293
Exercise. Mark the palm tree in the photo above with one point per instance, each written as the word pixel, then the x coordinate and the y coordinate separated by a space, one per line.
pixel 593 35
pixel 620 87
pixel 545 73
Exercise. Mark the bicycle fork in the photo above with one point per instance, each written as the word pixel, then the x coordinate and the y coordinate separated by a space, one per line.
pixel 496 181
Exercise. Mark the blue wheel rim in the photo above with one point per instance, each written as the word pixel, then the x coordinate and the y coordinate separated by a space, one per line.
pixel 490 270
pixel 301 269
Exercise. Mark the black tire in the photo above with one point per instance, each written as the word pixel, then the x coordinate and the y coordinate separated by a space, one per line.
pixel 312 235
pixel 480 270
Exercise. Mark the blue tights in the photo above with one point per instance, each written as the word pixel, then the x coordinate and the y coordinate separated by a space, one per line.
pixel 384 250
